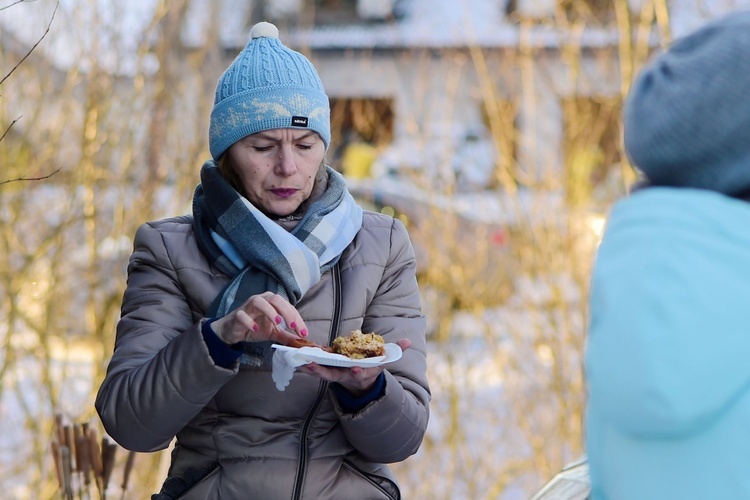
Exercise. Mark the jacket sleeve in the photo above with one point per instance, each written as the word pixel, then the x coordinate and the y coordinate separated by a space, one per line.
pixel 161 374
pixel 391 428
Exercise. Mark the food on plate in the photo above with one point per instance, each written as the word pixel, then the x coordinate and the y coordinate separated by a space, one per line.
pixel 358 345
pixel 299 342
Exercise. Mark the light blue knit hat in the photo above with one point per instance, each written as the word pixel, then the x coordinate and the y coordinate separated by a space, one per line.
pixel 268 86
pixel 687 117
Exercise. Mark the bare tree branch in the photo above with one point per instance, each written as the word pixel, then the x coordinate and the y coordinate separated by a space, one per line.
pixel 40 178
pixel 57 4
pixel 11 5
pixel 9 127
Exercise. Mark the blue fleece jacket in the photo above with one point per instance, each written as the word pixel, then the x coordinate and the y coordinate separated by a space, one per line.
pixel 668 355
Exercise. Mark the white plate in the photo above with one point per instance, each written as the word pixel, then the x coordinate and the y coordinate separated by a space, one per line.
pixel 317 355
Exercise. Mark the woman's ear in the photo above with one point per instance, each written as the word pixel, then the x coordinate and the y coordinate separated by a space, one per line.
pixel 322 173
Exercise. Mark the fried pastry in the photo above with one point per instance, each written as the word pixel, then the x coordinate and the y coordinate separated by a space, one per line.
pixel 358 345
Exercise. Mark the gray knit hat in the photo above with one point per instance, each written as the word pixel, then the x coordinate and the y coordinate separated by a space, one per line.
pixel 267 86
pixel 687 117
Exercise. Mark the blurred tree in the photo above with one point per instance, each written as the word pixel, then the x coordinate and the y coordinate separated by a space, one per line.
pixel 119 121
pixel 7 75
pixel 508 379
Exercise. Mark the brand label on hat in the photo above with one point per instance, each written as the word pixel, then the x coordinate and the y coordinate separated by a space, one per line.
pixel 299 121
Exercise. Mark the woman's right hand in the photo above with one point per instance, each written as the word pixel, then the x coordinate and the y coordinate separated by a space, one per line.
pixel 259 319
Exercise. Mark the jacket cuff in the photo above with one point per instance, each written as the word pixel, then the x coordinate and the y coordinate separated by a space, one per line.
pixel 352 404
pixel 223 354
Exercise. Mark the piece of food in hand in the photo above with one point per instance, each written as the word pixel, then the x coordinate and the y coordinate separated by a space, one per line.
pixel 358 345
pixel 299 342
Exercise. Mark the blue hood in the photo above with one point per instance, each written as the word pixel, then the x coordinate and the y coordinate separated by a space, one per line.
pixel 669 338
pixel 668 355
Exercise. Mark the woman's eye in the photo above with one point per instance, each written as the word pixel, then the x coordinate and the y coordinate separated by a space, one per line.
pixel 304 146
pixel 262 149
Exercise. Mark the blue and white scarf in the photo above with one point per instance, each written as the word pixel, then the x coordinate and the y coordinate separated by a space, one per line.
pixel 260 254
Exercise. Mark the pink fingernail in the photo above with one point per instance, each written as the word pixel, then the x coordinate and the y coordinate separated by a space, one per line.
pixel 255 328
pixel 303 332
pixel 293 325
pixel 278 319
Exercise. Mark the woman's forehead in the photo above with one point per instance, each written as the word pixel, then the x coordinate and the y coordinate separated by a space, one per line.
pixel 278 134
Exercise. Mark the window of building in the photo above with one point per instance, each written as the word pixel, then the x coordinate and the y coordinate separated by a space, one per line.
pixel 365 123
pixel 326 12
pixel 588 11
pixel 591 143
pixel 595 12
pixel 317 12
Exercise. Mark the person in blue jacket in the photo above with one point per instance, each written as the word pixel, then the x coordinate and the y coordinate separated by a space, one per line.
pixel 668 354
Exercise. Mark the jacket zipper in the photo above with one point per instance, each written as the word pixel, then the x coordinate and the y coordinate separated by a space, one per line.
pixel 322 388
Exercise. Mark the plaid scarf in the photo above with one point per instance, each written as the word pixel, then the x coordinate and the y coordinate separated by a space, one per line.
pixel 261 255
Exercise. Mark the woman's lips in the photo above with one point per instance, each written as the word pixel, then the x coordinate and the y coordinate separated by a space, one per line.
pixel 284 192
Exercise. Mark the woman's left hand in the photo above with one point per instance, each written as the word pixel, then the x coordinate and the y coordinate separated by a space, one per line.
pixel 357 380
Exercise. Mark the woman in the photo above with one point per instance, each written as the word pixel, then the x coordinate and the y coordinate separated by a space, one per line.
pixel 276 251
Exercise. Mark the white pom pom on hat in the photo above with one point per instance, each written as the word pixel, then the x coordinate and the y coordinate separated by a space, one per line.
pixel 264 30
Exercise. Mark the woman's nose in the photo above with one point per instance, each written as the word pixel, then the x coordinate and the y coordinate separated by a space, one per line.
pixel 286 165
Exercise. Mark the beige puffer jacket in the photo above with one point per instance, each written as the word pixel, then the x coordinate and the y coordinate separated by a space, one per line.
pixel 238 436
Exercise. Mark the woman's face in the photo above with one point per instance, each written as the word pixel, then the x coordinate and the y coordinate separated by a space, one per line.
pixel 277 168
